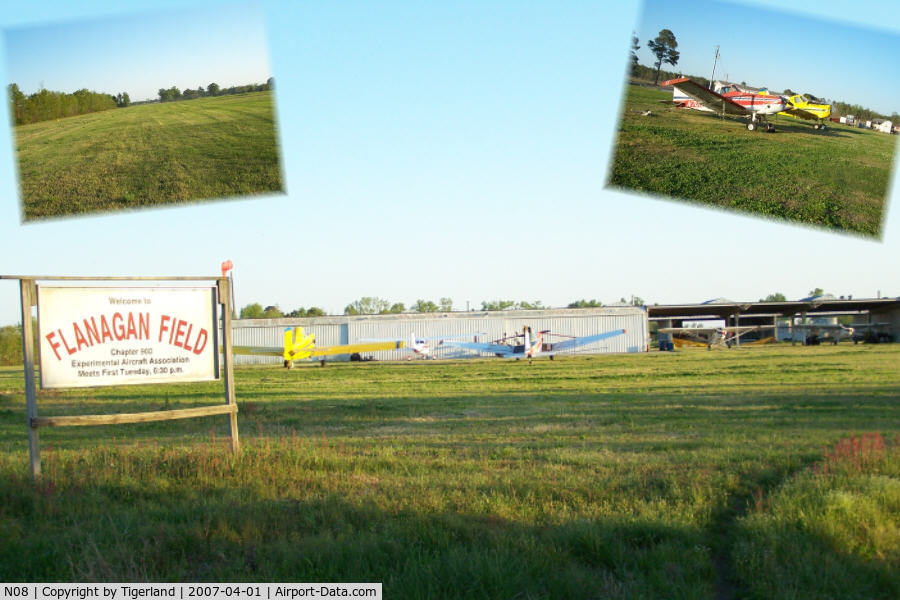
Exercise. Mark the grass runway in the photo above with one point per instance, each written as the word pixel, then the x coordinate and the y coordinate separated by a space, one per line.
pixel 149 155
pixel 837 179
pixel 692 474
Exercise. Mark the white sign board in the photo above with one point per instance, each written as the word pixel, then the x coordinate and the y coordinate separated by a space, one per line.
pixel 93 336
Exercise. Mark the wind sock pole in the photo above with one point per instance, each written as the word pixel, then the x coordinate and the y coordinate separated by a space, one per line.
pixel 713 76
pixel 227 267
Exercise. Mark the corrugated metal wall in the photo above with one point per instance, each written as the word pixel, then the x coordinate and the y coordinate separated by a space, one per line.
pixel 492 325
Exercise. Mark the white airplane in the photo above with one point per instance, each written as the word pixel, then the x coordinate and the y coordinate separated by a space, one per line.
pixel 722 337
pixel 532 344
pixel 420 346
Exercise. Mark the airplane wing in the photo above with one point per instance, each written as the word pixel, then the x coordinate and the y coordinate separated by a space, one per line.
pixel 706 97
pixel 803 114
pixel 298 345
pixel 742 329
pixel 698 330
pixel 351 348
pixel 501 349
pixel 584 341
pixel 425 339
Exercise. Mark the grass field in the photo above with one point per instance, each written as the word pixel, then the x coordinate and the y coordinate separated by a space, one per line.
pixel 836 179
pixel 148 155
pixel 691 474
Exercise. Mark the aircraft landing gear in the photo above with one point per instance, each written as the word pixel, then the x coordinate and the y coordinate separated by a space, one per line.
pixel 770 128
pixel 751 126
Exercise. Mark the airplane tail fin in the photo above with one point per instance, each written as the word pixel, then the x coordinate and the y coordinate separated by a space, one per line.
pixel 296 344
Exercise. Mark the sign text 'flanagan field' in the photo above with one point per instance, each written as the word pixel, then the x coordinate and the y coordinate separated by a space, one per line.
pixel 115 336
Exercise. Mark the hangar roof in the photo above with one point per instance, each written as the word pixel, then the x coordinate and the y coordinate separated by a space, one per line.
pixel 816 305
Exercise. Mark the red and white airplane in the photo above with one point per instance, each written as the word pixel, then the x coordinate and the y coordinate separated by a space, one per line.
pixel 728 99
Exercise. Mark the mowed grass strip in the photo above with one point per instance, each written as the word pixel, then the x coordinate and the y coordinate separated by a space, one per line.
pixel 149 155
pixel 604 476
pixel 836 179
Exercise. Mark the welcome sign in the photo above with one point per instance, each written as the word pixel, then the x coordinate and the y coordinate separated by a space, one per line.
pixel 97 336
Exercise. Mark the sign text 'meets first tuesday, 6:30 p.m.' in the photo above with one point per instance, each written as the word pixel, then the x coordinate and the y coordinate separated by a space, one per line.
pixel 116 336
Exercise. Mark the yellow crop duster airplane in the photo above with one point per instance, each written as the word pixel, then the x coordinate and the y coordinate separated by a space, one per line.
pixel 801 107
pixel 298 345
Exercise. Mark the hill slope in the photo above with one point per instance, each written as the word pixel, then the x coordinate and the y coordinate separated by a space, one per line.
pixel 149 155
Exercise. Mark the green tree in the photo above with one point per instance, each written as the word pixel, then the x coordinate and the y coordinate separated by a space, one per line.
pixel 11 345
pixel 776 297
pixel 252 311
pixel 425 306
pixel 367 305
pixel 213 89
pixel 816 292
pixel 536 305
pixel 663 47
pixel 397 308
pixel 585 304
pixel 497 305
pixel 272 312
pixel 635 301
pixel 17 104
pixel 315 311
pixel 446 304
pixel 635 46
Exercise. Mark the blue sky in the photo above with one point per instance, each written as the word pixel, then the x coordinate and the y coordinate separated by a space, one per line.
pixel 141 53
pixel 441 149
pixel 814 54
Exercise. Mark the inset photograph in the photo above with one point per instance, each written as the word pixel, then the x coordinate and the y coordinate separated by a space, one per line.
pixel 141 111
pixel 766 113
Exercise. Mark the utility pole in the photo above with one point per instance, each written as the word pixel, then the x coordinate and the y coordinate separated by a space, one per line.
pixel 713 76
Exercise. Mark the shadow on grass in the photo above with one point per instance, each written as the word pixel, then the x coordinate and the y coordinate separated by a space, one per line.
pixel 126 531
pixel 776 562
pixel 123 532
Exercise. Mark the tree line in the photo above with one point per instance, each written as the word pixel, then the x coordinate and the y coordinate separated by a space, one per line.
pixel 371 305
pixel 45 105
pixel 11 343
pixel 173 94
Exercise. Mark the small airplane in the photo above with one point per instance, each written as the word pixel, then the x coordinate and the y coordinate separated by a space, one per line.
pixel 872 333
pixel 420 345
pixel 815 334
pixel 298 345
pixel 727 99
pixel 721 337
pixel 801 107
pixel 532 344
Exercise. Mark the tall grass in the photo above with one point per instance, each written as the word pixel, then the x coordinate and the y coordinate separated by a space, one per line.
pixel 607 476
pixel 831 531
pixel 836 179
pixel 149 155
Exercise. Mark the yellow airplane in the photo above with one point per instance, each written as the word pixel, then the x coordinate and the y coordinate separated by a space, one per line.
pixel 298 345
pixel 801 107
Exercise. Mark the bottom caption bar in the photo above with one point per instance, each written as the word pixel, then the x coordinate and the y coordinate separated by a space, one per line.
pixel 187 591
